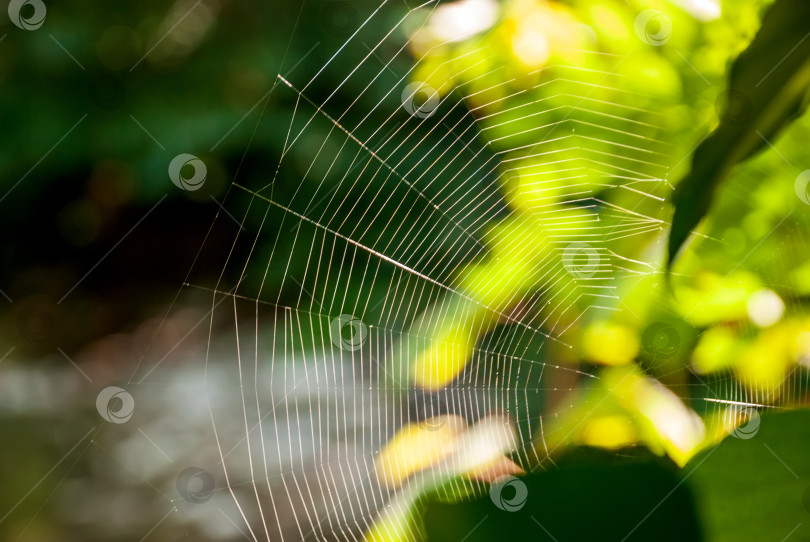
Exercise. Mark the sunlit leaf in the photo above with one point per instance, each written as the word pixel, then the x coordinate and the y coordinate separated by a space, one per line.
pixel 767 84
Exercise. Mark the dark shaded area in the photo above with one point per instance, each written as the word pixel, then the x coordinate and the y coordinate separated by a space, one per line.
pixel 585 499
pixel 98 100
pixel 757 488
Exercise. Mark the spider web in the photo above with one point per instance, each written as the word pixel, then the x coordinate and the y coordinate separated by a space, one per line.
pixel 332 288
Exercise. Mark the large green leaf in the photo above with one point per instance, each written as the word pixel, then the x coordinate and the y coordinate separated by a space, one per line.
pixel 757 488
pixel 767 84
pixel 752 488
pixel 586 500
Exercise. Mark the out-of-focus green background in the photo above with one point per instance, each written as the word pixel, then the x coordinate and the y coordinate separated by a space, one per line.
pixel 98 241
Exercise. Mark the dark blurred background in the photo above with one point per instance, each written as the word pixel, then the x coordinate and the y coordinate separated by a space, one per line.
pixel 95 106
pixel 97 240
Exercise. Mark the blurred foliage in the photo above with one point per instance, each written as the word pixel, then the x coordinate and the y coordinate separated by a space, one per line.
pixel 723 321
pixel 731 322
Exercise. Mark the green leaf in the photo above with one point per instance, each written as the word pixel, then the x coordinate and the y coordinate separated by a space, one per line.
pixel 757 488
pixel 588 500
pixel 752 488
pixel 767 84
